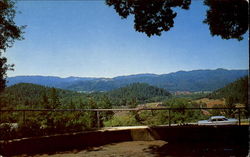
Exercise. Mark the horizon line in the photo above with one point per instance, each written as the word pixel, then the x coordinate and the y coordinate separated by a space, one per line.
pixel 33 75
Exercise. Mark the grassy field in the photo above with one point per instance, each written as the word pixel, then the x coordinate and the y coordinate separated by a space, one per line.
pixel 211 102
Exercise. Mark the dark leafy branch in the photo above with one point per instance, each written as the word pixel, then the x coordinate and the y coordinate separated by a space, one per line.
pixel 226 18
pixel 150 16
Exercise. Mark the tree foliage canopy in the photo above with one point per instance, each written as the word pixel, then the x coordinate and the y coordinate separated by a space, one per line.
pixel 226 18
pixel 150 16
pixel 9 32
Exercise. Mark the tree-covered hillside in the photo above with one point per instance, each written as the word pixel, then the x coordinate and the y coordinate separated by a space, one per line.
pixel 25 95
pixel 31 96
pixel 137 93
pixel 236 92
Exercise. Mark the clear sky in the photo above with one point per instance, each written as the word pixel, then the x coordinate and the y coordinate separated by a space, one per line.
pixel 89 39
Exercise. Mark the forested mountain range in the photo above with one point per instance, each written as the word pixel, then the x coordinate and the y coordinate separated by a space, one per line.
pixel 196 80
pixel 51 81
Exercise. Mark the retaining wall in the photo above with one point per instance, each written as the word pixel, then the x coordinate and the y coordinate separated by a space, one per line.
pixel 235 135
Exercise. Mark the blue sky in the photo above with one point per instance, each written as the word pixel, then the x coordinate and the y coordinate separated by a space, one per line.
pixel 89 39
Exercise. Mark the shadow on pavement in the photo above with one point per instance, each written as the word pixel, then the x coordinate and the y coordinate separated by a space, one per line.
pixel 198 149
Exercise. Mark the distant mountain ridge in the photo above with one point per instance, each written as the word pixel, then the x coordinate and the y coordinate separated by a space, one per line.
pixel 196 80
pixel 51 81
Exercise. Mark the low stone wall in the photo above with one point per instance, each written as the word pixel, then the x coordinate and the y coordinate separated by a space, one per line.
pixel 236 135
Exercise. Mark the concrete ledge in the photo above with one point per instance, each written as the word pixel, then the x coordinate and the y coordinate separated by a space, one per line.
pixel 236 135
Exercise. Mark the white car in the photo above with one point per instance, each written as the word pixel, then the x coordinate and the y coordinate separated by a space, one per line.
pixel 218 120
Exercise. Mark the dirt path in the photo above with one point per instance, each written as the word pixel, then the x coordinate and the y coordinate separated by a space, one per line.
pixel 123 149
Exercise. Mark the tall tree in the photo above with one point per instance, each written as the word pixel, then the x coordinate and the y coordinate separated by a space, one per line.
pixel 44 100
pixel 92 115
pixel 9 32
pixel 54 99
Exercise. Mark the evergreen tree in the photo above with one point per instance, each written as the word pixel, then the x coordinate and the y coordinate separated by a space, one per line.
pixel 45 100
pixel 92 118
pixel 54 99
